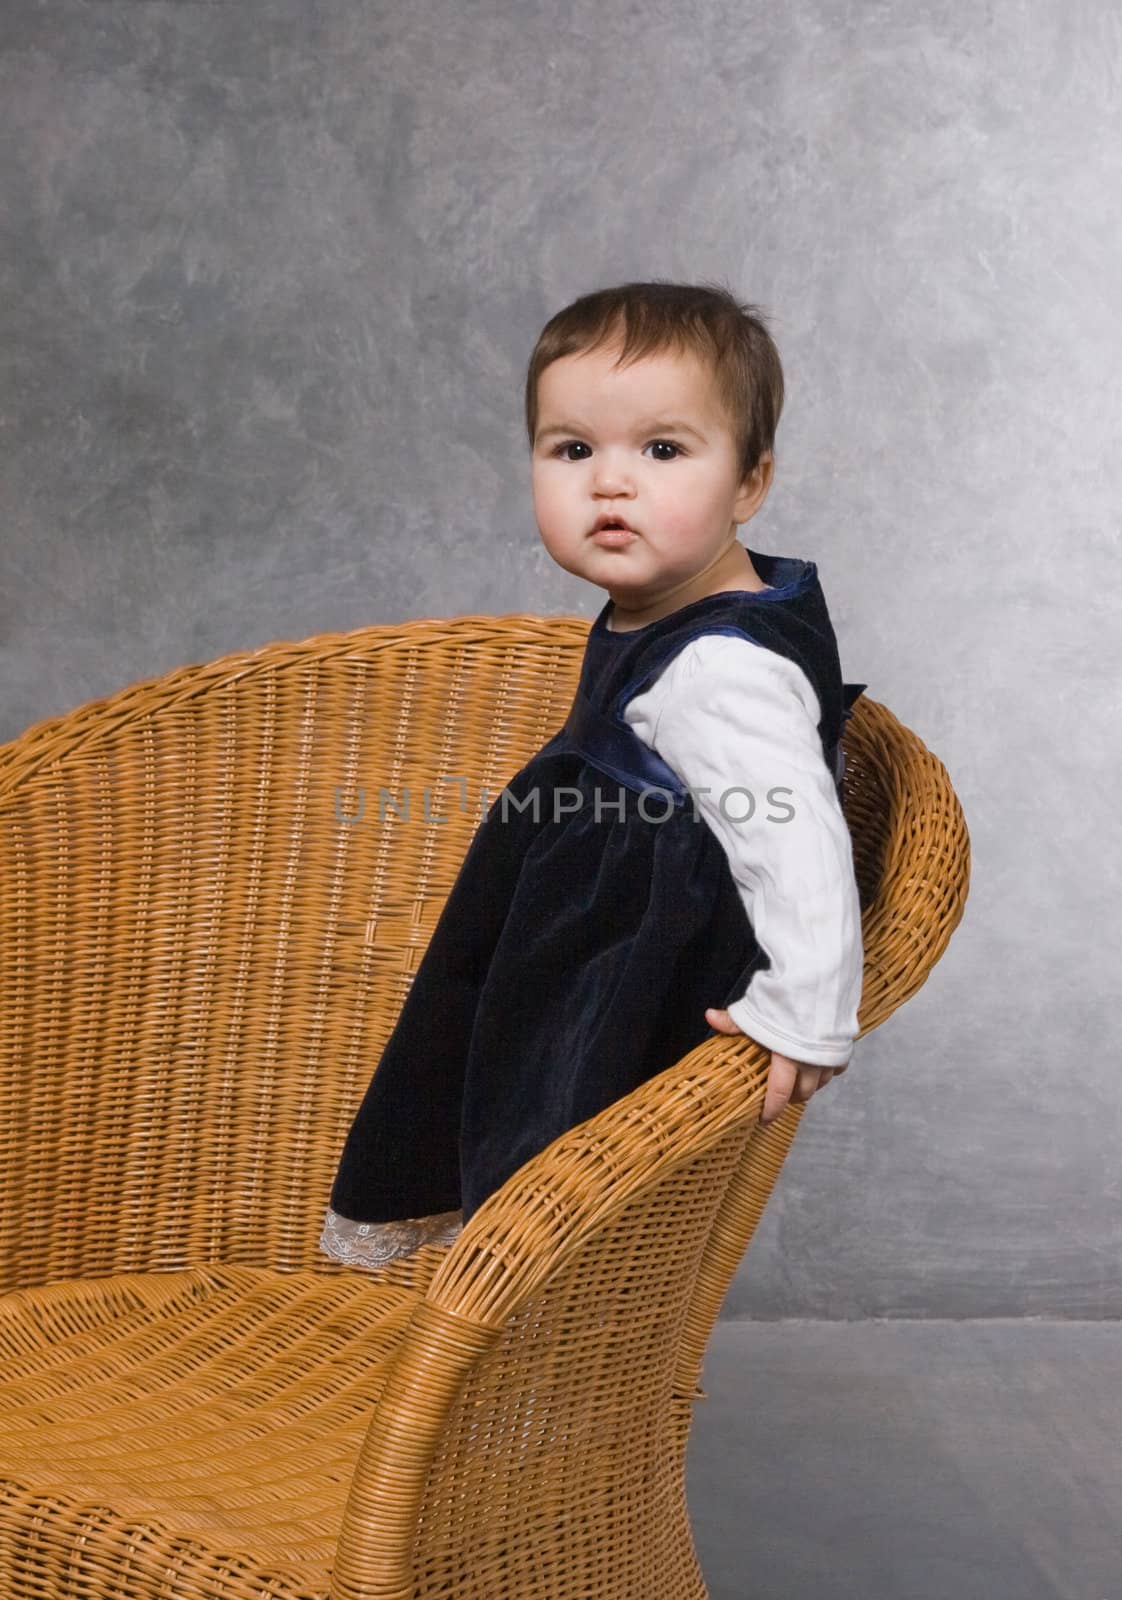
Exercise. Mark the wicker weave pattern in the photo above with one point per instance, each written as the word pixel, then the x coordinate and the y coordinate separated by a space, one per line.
pixel 200 959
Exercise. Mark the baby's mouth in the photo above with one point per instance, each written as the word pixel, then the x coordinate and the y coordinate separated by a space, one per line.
pixel 611 530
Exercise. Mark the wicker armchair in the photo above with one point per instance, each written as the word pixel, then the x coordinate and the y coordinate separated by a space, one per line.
pixel 206 932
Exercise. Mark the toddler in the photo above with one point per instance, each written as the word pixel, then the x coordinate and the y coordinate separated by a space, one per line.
pixel 674 861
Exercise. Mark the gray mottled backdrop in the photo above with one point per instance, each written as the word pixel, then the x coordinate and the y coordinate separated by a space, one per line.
pixel 271 273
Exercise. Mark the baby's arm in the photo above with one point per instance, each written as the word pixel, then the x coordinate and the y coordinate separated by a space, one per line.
pixel 730 715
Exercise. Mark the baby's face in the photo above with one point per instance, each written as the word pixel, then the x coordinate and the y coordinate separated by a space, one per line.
pixel 649 442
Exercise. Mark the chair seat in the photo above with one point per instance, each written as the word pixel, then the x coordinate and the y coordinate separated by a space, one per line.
pixel 191 1432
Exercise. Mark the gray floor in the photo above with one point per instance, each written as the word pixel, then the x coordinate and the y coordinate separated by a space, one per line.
pixel 909 1461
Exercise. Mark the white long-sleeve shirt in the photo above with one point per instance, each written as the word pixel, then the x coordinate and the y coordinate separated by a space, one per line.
pixel 729 715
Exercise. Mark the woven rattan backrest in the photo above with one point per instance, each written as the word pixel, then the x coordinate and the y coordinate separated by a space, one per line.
pixel 201 957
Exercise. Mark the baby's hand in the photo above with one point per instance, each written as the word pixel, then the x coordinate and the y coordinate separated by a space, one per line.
pixel 784 1075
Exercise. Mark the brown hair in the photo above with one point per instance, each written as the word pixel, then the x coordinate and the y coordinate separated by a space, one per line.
pixel 705 319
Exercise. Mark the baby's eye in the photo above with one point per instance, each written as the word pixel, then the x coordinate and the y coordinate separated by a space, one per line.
pixel 670 445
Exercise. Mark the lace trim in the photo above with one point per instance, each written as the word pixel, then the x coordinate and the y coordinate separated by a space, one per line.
pixel 372 1244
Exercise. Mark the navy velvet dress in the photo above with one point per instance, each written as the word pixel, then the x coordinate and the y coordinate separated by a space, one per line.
pixel 576 953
